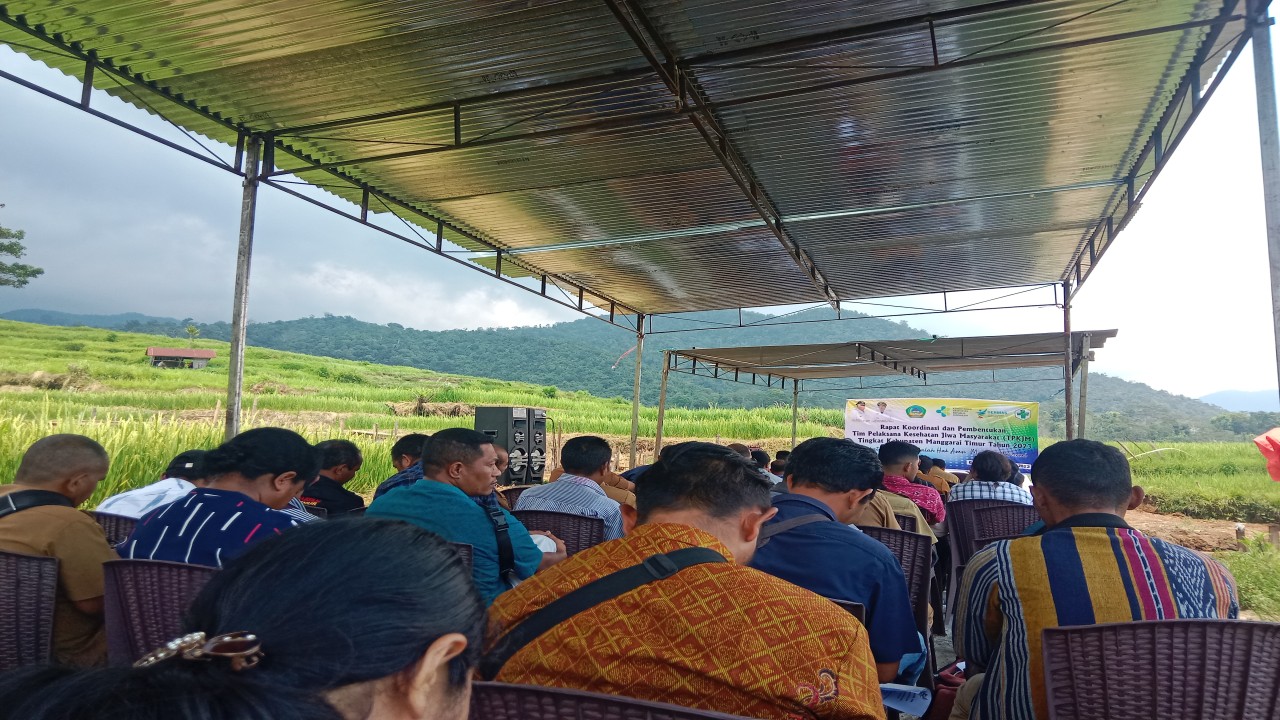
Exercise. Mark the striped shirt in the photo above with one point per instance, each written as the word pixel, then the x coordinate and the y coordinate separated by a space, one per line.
pixel 140 501
pixel 983 490
pixel 577 496
pixel 209 527
pixel 1088 569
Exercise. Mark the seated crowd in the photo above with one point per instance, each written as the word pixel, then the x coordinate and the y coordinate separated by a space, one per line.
pixel 712 588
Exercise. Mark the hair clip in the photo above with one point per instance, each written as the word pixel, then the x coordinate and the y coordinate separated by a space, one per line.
pixel 243 649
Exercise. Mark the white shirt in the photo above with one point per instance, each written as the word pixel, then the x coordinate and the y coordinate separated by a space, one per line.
pixel 140 501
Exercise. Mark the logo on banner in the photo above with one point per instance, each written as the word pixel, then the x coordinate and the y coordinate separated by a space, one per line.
pixel 915 412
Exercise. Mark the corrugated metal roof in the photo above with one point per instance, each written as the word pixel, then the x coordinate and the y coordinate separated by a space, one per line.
pixel 868 358
pixel 989 143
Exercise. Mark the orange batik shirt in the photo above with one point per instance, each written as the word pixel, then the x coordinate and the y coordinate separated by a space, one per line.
pixel 717 636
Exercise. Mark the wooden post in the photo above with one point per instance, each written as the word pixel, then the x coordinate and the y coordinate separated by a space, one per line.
pixel 662 404
pixel 1273 532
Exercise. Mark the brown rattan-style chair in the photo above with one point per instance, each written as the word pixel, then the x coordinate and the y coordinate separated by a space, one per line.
pixel 116 527
pixel 915 554
pixel 500 701
pixel 857 610
pixel 144 603
pixel 906 522
pixel 464 551
pixel 1001 521
pixel 960 530
pixel 1153 670
pixel 577 531
pixel 28 591
pixel 512 494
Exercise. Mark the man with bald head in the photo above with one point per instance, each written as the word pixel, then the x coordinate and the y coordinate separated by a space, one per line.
pixel 38 516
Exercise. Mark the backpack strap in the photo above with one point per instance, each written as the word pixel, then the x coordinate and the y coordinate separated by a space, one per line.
pixel 768 531
pixel 506 554
pixel 24 499
pixel 596 592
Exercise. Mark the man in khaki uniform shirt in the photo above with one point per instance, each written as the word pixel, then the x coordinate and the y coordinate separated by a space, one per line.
pixel 70 466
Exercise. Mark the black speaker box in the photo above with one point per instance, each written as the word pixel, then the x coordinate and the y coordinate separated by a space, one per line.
pixel 509 428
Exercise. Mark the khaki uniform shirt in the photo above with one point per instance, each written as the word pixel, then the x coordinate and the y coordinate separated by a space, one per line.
pixel 879 513
pixel 903 506
pixel 81 547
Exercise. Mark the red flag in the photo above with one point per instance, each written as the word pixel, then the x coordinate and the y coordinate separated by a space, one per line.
pixel 1269 445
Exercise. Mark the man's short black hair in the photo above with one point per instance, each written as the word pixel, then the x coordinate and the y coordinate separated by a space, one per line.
pixel 761 457
pixel 452 445
pixel 926 464
pixel 410 445
pixel 782 455
pixel 338 452
pixel 778 467
pixel 1083 473
pixel 989 466
pixel 896 452
pixel 940 463
pixel 188 465
pixel 585 454
pixel 705 477
pixel 836 465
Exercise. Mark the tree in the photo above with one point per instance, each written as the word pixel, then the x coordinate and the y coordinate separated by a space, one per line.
pixel 15 275
pixel 193 332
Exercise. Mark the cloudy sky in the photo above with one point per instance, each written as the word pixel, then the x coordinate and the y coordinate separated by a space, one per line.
pixel 123 224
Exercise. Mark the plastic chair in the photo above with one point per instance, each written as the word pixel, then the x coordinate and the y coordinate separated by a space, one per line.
pixel 116 527
pixel 501 701
pixel 858 610
pixel 464 551
pixel 577 531
pixel 906 522
pixel 1152 670
pixel 960 529
pixel 27 602
pixel 1001 521
pixel 915 554
pixel 987 540
pixel 144 603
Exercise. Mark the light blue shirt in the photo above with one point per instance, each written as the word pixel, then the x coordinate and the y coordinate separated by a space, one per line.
pixel 575 495
pixel 450 513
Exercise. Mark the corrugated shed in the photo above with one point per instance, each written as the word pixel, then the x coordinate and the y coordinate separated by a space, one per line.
pixel 983 141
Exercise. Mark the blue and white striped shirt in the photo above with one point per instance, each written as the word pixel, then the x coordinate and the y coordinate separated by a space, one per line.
pixel 578 496
pixel 209 527
pixel 983 490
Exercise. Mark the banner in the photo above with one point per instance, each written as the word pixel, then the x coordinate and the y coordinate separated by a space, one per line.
pixel 954 429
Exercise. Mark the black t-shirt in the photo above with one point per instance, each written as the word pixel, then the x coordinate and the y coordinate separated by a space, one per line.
pixel 328 494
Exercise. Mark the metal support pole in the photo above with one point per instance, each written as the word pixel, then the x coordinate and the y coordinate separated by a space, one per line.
pixel 1067 370
pixel 635 399
pixel 1085 352
pixel 662 404
pixel 1269 142
pixel 240 305
pixel 795 409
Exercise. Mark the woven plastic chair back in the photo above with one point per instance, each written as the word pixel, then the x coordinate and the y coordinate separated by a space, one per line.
pixel 857 610
pixel 30 589
pixel 906 522
pixel 985 540
pixel 318 511
pixel 915 554
pixel 1154 670
pixel 577 531
pixel 500 701
pixel 960 529
pixel 1001 521
pixel 116 527
pixel 464 551
pixel 144 603
pixel 512 494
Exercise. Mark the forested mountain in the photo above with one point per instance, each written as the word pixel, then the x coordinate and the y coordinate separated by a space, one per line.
pixel 581 355
pixel 65 319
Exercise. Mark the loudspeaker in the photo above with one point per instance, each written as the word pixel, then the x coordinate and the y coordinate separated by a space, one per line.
pixel 509 428
pixel 537 444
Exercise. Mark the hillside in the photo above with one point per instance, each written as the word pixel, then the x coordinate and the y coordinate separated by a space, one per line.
pixel 580 356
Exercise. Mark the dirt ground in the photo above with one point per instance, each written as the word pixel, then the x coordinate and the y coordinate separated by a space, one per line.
pixel 1206 535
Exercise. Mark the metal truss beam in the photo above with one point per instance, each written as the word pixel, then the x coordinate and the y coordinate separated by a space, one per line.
pixel 1159 146
pixel 688 95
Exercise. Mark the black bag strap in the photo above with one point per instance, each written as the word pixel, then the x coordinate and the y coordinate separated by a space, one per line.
pixel 506 554
pixel 23 499
pixel 655 567
pixel 768 531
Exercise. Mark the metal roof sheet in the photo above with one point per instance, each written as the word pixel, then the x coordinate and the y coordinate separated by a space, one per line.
pixel 869 358
pixel 991 140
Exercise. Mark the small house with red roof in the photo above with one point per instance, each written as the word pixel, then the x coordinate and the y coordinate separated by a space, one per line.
pixel 192 358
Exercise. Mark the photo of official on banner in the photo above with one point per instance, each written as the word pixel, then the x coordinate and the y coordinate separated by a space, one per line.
pixel 954 429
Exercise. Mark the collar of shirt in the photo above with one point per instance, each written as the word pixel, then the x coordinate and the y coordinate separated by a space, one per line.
pixel 1092 520
pixel 583 481
pixel 673 536
pixel 898 480
pixel 803 505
